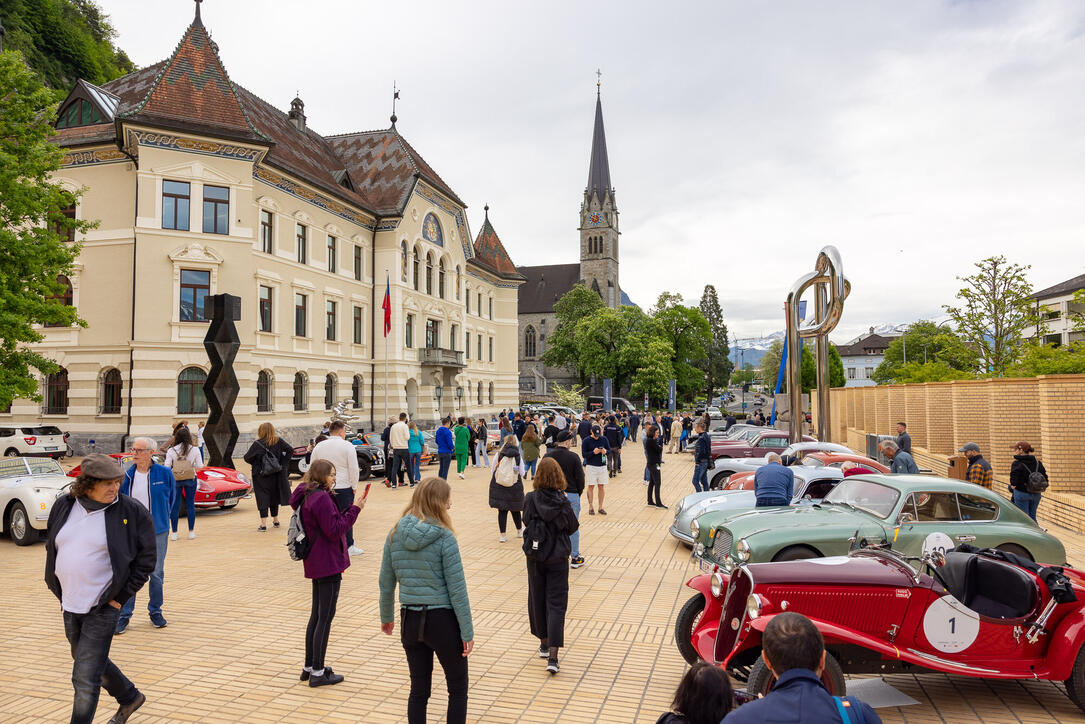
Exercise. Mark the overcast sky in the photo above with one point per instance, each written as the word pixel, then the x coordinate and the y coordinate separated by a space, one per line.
pixel 918 137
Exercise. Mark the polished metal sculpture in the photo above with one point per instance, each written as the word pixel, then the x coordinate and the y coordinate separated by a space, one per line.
pixel 340 413
pixel 221 386
pixel 831 288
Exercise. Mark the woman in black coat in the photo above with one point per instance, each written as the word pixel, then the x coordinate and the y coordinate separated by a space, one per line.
pixel 272 488
pixel 508 498
pixel 653 458
pixel 1024 465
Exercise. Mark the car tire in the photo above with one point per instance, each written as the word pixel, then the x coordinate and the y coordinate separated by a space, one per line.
pixel 11 453
pixel 1075 685
pixel 762 679
pixel 795 553
pixel 22 533
pixel 303 465
pixel 719 481
pixel 365 470
pixel 1016 550
pixel 688 617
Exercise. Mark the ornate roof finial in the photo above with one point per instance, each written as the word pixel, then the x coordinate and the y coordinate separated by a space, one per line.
pixel 486 208
pixel 598 82
pixel 198 3
pixel 395 97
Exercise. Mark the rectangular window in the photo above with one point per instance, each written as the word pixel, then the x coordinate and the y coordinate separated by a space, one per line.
pixel 267 228
pixel 175 199
pixel 65 232
pixel 467 301
pixel 851 373
pixel 480 348
pixel 302 245
pixel 265 309
pixel 301 305
pixel 467 346
pixel 216 210
pixel 357 263
pixel 333 254
pixel 195 286
pixel 491 315
pixel 870 373
pixel 478 307
pixel 433 334
pixel 491 349
pixel 453 336
pixel 357 325
pixel 331 319
pixel 408 331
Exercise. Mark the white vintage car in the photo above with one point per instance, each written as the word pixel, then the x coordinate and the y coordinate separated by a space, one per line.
pixel 28 488
pixel 723 468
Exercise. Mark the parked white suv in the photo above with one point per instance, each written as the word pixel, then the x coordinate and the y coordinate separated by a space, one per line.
pixel 33 441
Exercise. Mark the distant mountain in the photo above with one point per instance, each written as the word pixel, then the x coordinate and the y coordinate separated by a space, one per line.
pixel 750 351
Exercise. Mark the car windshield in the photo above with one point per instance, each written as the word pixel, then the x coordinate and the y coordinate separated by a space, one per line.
pixel 812 462
pixel 874 498
pixel 44 466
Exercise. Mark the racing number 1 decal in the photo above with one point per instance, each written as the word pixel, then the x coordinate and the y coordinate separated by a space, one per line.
pixel 937 541
pixel 949 626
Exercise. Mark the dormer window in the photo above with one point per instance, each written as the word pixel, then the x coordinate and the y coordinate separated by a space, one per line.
pixel 79 112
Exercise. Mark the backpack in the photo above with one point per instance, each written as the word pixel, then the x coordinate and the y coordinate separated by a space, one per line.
pixel 298 543
pixel 269 462
pixel 846 710
pixel 540 543
pixel 1037 481
pixel 183 470
pixel 507 475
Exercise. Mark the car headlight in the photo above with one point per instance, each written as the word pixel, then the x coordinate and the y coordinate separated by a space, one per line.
pixel 680 507
pixel 698 549
pixel 742 551
pixel 753 606
pixel 202 486
pixel 716 583
pixel 695 528
pixel 242 478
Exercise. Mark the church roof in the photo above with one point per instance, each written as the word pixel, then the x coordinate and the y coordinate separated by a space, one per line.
pixel 490 252
pixel 545 285
pixel 599 169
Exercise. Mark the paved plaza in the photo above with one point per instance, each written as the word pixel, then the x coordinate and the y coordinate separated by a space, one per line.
pixel 237 607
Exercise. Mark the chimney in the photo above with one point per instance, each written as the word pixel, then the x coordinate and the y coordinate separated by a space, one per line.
pixel 871 329
pixel 297 114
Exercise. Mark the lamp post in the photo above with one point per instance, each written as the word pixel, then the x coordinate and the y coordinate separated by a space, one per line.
pixel 437 393
pixel 459 396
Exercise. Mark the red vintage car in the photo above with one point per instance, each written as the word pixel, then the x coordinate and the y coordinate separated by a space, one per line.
pixel 744 481
pixel 968 612
pixel 754 444
pixel 215 487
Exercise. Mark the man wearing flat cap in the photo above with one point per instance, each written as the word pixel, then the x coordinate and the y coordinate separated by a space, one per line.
pixel 979 470
pixel 99 550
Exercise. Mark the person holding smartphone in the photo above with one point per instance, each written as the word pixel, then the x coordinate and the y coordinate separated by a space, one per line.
pixel 422 557
pixel 594 451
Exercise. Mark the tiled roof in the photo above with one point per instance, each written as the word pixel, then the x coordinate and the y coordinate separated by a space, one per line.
pixel 490 252
pixel 545 285
pixel 1067 287
pixel 870 344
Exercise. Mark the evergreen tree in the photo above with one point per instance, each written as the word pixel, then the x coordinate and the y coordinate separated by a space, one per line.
pixel 717 364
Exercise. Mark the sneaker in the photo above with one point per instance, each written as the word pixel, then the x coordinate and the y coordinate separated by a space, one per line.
pixel 261 529
pixel 461 476
pixel 122 626
pixel 519 532
pixel 576 562
pixel 544 652
pixel 326 679
pixel 355 551
pixel 126 710
pixel 173 536
pixel 305 673
pixel 191 534
pixel 502 538
pixel 552 666
pixel 158 620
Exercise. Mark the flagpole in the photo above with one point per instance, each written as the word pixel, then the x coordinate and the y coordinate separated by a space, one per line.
pixel 386 382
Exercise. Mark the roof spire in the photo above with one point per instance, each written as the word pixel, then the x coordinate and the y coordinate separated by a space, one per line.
pixel 598 82
pixel 198 3
pixel 486 209
pixel 599 169
pixel 395 97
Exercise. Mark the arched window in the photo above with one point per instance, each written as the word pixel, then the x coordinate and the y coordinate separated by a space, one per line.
pixel 110 395
pixel 467 299
pixel 190 399
pixel 329 392
pixel 356 392
pixel 529 342
pixel 301 393
pixel 459 280
pixel 491 393
pixel 403 253
pixel 429 274
pixel 64 296
pixel 56 393
pixel 263 391
pixel 441 279
pixel 417 270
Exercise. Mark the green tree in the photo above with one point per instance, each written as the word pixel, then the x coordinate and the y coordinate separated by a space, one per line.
pixel 654 373
pixel 576 304
pixel 924 341
pixel 572 396
pixel 744 375
pixel 994 310
pixel 32 254
pixel 689 335
pixel 770 365
pixel 809 368
pixel 716 365
pixel 614 343
pixel 1046 359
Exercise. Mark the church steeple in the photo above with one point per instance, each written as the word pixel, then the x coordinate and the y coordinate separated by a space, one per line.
pixel 599 220
pixel 599 169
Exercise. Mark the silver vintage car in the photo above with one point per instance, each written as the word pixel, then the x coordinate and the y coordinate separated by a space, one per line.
pixel 28 488
pixel 721 469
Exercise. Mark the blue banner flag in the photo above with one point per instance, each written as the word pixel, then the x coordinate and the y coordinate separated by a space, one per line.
pixel 608 394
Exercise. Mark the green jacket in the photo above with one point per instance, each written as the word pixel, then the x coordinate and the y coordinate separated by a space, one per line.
pixel 425 560
pixel 463 436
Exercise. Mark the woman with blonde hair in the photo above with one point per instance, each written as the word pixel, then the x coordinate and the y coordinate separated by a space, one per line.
pixel 270 486
pixel 415 445
pixel 422 556
pixel 530 444
pixel 326 528
pixel 507 486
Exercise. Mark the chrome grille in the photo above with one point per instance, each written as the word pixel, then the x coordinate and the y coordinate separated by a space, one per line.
pixel 722 545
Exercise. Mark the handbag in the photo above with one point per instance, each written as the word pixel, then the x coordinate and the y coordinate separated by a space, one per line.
pixel 269 462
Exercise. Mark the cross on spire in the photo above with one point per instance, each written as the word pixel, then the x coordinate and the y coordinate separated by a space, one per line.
pixel 395 97
pixel 598 78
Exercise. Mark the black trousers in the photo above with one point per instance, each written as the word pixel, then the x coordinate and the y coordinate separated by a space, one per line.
pixel 655 480
pixel 548 599
pixel 267 495
pixel 503 518
pixel 344 498
pixel 325 596
pixel 425 633
pixel 401 463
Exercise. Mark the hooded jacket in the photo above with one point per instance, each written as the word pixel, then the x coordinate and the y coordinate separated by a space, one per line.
pixel 424 558
pixel 326 526
pixel 512 497
pixel 559 521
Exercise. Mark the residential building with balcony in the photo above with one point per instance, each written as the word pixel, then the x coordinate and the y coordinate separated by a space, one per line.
pixel 1063 318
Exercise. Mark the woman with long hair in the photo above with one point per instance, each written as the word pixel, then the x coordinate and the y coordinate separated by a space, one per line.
pixel 653 458
pixel 271 487
pixel 703 697
pixel 422 556
pixel 530 444
pixel 507 486
pixel 549 520
pixel 482 437
pixel 326 528
pixel 1025 463
pixel 415 445
pixel 184 459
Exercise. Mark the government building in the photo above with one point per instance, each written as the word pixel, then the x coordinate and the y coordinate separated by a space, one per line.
pixel 200 188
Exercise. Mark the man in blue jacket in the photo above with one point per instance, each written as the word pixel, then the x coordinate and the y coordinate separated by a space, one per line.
pixel 153 486
pixel 702 456
pixel 446 446
pixel 794 651
pixel 773 484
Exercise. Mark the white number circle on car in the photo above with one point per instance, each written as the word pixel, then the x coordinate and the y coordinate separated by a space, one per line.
pixel 937 542
pixel 949 626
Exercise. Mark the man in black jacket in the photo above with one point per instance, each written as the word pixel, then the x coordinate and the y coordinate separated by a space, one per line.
pixel 573 468
pixel 99 551
pixel 702 456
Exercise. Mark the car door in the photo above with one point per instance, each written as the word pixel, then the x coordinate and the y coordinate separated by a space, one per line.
pixel 931 520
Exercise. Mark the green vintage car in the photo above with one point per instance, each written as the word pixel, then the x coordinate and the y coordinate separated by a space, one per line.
pixel 914 513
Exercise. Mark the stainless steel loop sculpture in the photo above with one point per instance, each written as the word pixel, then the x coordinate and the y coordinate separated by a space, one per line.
pixel 831 288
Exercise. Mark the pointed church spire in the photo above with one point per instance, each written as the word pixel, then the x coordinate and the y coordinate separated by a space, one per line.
pixel 599 170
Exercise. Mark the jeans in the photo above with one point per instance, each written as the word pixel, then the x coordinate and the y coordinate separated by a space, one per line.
pixel 574 539
pixel 483 456
pixel 423 634
pixel 1027 502
pixel 444 460
pixel 189 489
pixel 548 599
pixel 529 467
pixel 770 502
pixel 682 440
pixel 503 517
pixel 325 596
pixel 700 477
pixel 90 635
pixel 344 498
pixel 154 584
pixel 416 467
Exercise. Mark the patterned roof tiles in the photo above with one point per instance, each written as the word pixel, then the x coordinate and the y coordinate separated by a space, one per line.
pixel 490 252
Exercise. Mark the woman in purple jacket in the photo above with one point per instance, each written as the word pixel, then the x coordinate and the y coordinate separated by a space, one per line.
pixel 326 526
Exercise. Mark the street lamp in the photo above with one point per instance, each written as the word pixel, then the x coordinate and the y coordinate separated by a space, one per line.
pixel 459 395
pixel 437 392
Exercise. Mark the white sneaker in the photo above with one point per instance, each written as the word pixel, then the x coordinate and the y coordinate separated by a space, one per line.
pixel 355 551
pixel 461 476
pixel 503 538
pixel 519 532
pixel 173 536
pixel 191 534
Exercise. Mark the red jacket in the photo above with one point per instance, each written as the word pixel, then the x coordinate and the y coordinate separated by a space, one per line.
pixel 327 529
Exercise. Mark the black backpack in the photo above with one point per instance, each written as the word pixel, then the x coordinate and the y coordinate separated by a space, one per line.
pixel 298 544
pixel 1037 481
pixel 540 542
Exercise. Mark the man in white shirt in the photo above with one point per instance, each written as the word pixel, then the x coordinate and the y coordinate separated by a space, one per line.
pixel 399 437
pixel 343 455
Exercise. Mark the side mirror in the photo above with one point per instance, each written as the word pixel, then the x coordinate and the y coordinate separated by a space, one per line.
pixel 905 517
pixel 937 558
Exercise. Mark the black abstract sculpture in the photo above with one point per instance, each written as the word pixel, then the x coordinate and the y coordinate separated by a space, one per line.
pixel 221 386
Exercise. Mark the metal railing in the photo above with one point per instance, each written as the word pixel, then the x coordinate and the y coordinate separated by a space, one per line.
pixel 440 356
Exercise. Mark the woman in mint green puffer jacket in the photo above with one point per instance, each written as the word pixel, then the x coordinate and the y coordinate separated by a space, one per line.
pixel 421 555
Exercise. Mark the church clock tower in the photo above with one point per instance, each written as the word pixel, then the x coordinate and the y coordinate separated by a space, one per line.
pixel 599 221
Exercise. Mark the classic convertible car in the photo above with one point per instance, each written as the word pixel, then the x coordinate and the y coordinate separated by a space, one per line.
pixel 967 612
pixel 28 488
pixel 912 512
pixel 215 487
pixel 370 452
pixel 720 469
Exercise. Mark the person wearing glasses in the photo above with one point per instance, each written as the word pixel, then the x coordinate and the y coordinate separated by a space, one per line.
pixel 152 486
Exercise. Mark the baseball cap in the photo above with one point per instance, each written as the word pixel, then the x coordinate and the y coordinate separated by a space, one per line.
pixel 969 446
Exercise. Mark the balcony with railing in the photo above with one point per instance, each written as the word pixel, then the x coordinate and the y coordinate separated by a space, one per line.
pixel 440 357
